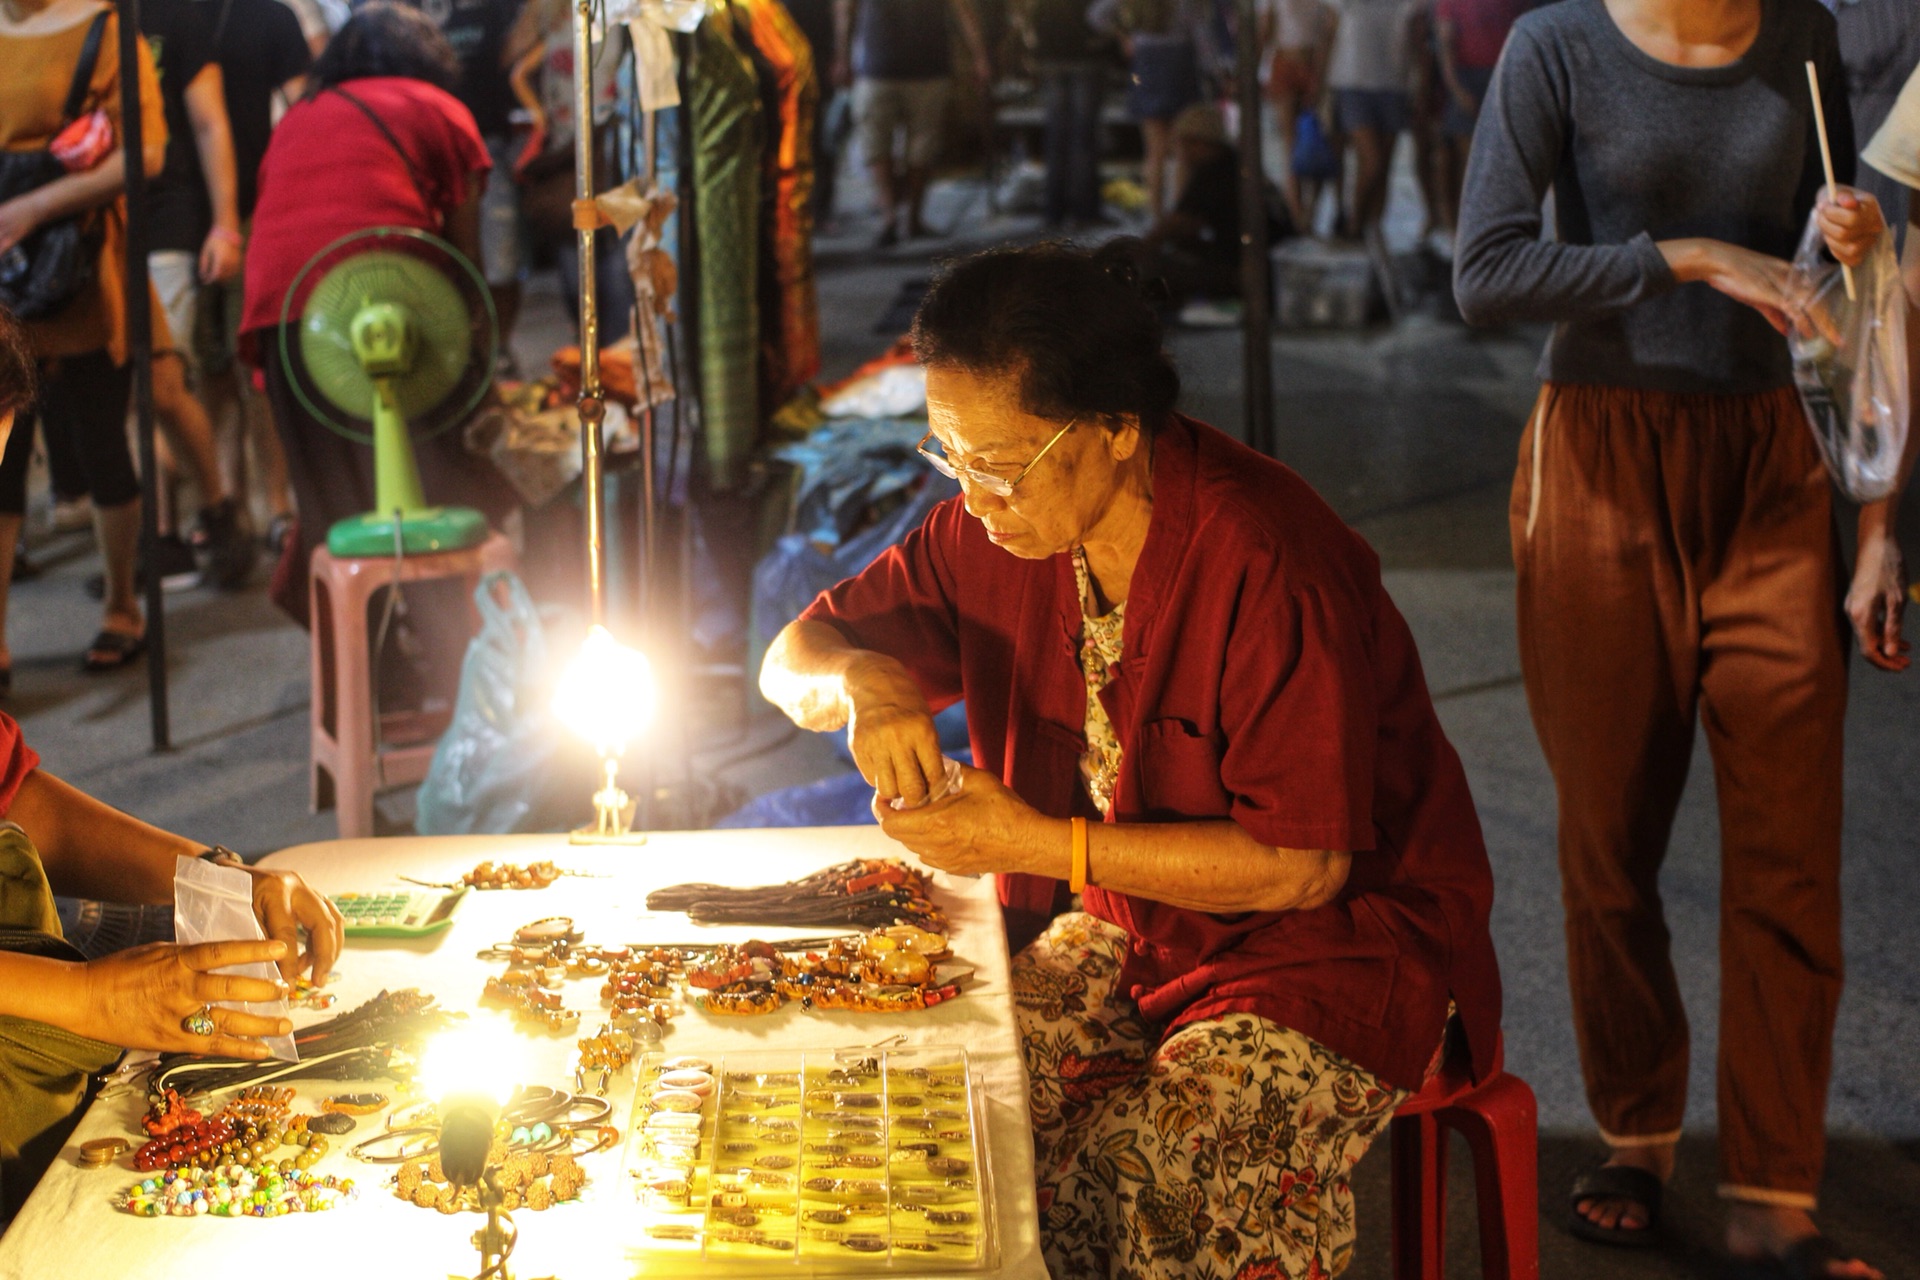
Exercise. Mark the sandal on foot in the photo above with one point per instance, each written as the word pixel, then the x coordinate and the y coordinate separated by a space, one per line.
pixel 119 648
pixel 1809 1259
pixel 1616 1182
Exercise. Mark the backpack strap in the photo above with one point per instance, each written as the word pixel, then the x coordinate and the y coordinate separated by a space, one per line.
pixel 83 73
pixel 413 171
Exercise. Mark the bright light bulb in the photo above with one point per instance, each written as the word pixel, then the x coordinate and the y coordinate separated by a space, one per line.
pixel 606 695
pixel 482 1057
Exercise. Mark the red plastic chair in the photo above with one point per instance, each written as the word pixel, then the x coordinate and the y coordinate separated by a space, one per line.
pixel 1500 1122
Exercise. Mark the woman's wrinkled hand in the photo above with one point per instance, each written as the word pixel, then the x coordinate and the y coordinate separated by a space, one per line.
pixel 890 730
pixel 285 904
pixel 1851 222
pixel 982 828
pixel 1876 601
pixel 139 998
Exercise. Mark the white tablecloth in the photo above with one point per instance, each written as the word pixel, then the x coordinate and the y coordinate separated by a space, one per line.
pixel 71 1229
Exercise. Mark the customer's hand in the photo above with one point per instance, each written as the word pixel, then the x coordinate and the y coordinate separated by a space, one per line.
pixel 139 998
pixel 891 732
pixel 285 904
pixel 219 258
pixel 983 827
pixel 1756 279
pixel 1851 222
pixel 19 217
pixel 1877 599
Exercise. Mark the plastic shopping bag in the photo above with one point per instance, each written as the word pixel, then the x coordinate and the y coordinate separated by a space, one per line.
pixel 212 903
pixel 1850 362
pixel 505 764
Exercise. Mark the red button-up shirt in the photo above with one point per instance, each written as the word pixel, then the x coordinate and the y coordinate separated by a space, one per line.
pixel 1266 678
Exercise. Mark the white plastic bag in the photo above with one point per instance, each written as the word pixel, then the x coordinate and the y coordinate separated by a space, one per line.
pixel 212 903
pixel 1850 362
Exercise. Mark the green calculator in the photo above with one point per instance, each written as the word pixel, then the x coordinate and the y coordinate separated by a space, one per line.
pixel 398 913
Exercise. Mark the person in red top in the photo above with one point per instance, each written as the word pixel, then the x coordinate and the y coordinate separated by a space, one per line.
pixel 1468 35
pixel 1159 630
pixel 378 141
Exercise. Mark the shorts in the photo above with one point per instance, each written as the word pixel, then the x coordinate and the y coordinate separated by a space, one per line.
pixel 176 282
pixel 1165 77
pixel 1383 110
pixel 1458 123
pixel 883 107
pixel 502 232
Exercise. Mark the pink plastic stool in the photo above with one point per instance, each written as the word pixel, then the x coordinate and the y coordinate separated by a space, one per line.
pixel 1500 1122
pixel 347 772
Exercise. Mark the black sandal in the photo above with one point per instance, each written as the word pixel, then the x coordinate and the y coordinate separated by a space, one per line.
pixel 1617 1182
pixel 1810 1259
pixel 121 650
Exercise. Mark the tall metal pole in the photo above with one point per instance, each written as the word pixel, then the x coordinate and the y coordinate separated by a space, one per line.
pixel 140 351
pixel 586 222
pixel 1255 298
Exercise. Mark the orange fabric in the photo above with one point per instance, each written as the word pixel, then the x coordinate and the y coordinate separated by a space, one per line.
pixel 790 331
pixel 34 74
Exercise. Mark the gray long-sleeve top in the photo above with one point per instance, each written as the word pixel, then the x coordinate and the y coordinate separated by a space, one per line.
pixel 1637 151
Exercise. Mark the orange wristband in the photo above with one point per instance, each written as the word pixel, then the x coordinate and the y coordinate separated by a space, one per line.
pixel 1079 880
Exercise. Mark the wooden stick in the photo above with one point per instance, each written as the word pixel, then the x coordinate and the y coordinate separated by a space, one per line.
pixel 1826 159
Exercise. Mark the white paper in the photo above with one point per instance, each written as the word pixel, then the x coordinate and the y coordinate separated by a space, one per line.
pixel 212 903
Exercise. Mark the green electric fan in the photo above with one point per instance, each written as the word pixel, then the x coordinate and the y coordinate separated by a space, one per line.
pixel 395 338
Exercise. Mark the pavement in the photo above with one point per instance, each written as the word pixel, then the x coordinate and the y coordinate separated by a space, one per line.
pixel 1411 432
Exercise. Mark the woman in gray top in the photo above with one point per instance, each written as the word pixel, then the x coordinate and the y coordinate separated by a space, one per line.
pixel 1673 535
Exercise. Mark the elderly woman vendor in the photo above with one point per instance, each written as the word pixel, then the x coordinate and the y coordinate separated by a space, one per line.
pixel 1195 706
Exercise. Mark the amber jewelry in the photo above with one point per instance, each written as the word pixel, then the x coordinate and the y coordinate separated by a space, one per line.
pixel 605 1135
pixel 550 929
pixel 408 1144
pixel 505 875
pixel 354 1104
pixel 1079 881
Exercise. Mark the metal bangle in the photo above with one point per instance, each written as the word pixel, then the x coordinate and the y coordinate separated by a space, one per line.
pixel 598 1109
pixel 360 1152
pixel 535 1103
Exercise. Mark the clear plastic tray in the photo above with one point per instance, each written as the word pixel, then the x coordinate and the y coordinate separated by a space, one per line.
pixel 824 1162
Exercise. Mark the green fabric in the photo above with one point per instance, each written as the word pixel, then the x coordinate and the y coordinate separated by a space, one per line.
pixel 727 140
pixel 43 1070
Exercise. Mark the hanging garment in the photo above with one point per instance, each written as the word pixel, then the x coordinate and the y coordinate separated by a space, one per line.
pixel 727 143
pixel 790 98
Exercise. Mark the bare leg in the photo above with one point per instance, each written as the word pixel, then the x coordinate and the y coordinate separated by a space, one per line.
pixel 916 201
pixel 118 529
pixel 1157 135
pixel 189 430
pixel 886 194
pixel 1370 181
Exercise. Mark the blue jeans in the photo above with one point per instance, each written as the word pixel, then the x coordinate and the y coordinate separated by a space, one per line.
pixel 1070 95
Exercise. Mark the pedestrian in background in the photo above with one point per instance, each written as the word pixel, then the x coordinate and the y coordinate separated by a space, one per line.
pixel 83 346
pixel 1880 45
pixel 1166 43
pixel 1071 61
pixel 263 60
pixel 1468 37
pixel 1293 40
pixel 896 57
pixel 1368 72
pixel 1673 535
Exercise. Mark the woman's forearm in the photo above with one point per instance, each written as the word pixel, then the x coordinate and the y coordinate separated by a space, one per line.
pixel 92 850
pixel 41 990
pixel 809 672
pixel 1201 866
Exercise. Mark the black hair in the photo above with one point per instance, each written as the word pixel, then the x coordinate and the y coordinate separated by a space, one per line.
pixel 16 365
pixel 386 40
pixel 1075 325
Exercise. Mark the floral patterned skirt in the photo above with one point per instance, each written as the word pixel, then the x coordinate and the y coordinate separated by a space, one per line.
pixel 1219 1153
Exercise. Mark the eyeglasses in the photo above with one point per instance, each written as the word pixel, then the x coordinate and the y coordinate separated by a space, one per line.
pixel 985 481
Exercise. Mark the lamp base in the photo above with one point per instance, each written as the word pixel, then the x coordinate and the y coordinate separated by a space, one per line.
pixel 612 816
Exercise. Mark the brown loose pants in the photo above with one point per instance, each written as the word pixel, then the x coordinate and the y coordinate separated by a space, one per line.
pixel 1674 553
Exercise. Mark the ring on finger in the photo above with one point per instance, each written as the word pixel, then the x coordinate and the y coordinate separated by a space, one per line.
pixel 199 1022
